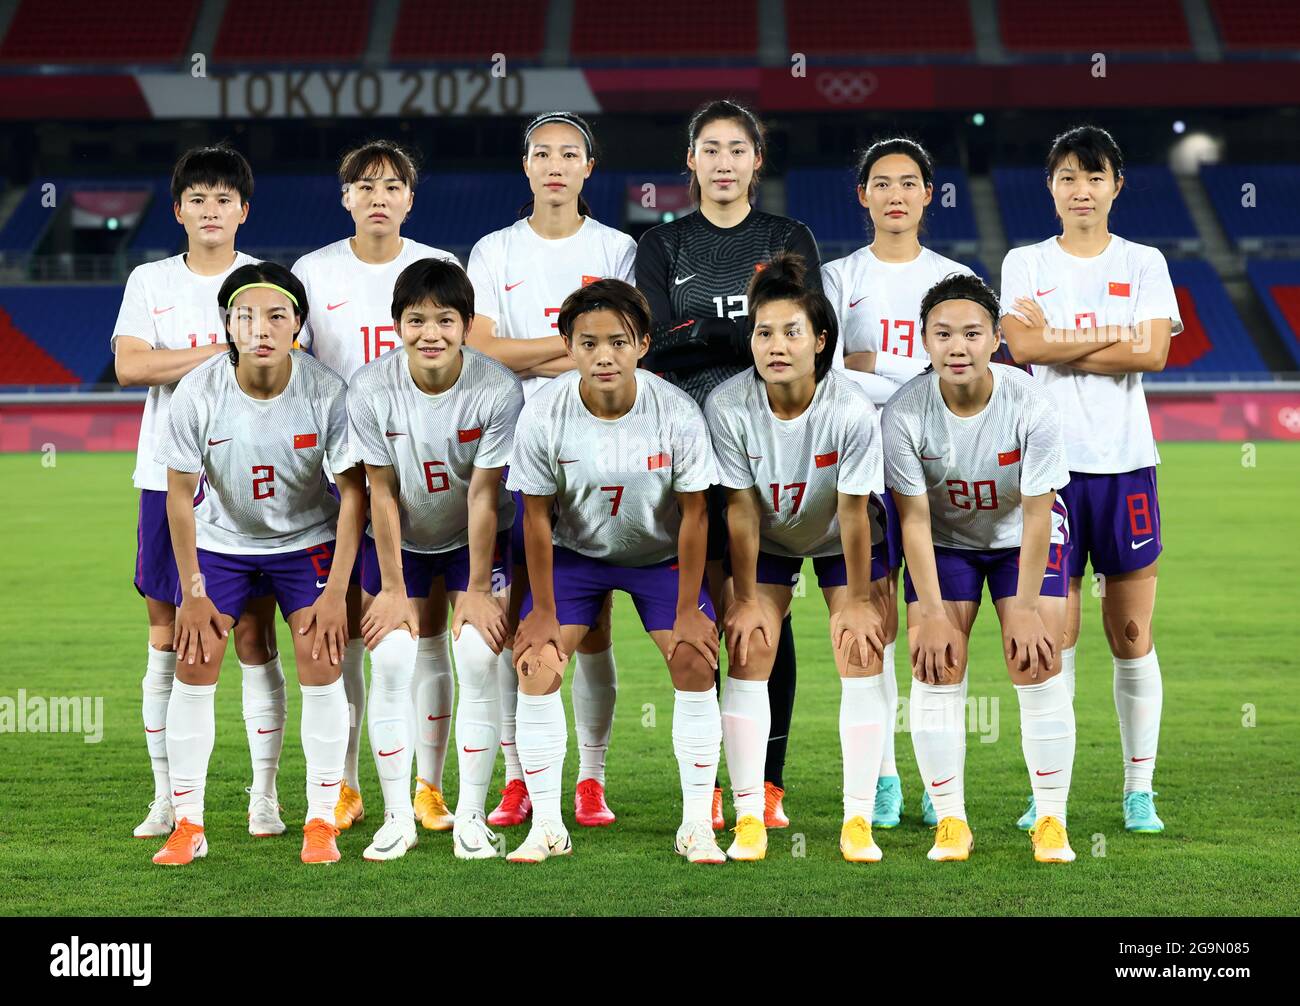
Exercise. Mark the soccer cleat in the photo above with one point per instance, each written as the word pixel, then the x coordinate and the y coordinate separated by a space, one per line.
pixel 514 808
pixel 395 837
pixel 160 821
pixel 472 839
pixel 263 814
pixel 1140 813
pixel 888 809
pixel 545 839
pixel 186 844
pixel 773 812
pixel 928 816
pixel 431 808
pixel 695 841
pixel 349 810
pixel 318 841
pixel 1030 815
pixel 719 819
pixel 1051 843
pixel 856 842
pixel 751 840
pixel 589 807
pixel 953 841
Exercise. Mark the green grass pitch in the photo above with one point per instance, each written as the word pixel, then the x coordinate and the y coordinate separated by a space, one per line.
pixel 71 625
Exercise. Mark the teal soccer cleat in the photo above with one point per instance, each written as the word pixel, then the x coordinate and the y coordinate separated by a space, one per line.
pixel 1140 814
pixel 1030 815
pixel 888 810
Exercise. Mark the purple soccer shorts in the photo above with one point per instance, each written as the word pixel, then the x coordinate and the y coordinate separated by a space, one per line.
pixel 296 578
pixel 1115 520
pixel 420 569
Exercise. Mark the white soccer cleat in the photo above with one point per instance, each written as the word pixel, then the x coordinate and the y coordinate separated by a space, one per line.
pixel 395 837
pixel 545 839
pixel 471 838
pixel 695 841
pixel 263 814
pixel 159 822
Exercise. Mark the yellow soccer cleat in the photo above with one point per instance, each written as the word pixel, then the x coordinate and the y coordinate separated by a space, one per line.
pixel 952 841
pixel 856 843
pixel 431 808
pixel 349 810
pixel 751 839
pixel 1051 843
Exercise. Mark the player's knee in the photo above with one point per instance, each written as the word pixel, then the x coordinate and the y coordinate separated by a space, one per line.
pixel 690 671
pixel 392 661
pixel 1129 638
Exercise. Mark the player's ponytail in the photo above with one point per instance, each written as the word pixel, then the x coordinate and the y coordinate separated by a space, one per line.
pixel 715 111
pixel 260 274
pixel 785 278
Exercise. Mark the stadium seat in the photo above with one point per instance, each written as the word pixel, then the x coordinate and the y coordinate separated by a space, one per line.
pixel 1149 209
pixel 1257 204
pixel 1248 25
pixel 26 226
pixel 57 334
pixel 1277 282
pixel 875 27
pixel 299 31
pixel 671 28
pixel 469 30
pixel 1214 341
pixel 89 31
pixel 1156 26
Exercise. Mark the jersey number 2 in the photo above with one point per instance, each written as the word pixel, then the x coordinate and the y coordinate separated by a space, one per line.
pixel 263 485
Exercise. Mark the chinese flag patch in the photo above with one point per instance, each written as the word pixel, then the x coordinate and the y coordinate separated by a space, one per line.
pixel 301 440
pixel 1008 457
pixel 759 266
pixel 1118 289
pixel 588 280
pixel 660 460
pixel 468 436
pixel 826 460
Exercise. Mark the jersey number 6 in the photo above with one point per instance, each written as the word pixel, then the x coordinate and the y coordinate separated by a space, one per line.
pixel 435 479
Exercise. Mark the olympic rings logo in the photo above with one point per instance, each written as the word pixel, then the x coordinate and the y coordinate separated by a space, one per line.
pixel 846 87
pixel 1290 418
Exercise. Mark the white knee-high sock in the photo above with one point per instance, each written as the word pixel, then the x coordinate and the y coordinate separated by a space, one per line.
pixel 543 736
pixel 939 739
pixel 478 719
pixel 1047 739
pixel 191 731
pixel 889 690
pixel 265 710
pixel 159 674
pixel 508 689
pixel 325 744
pixel 864 720
pixel 434 695
pixel 1067 668
pixel 746 724
pixel 392 666
pixel 1139 696
pixel 353 676
pixel 697 742
pixel 595 687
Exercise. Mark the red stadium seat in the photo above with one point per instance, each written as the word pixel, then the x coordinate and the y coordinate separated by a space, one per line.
pixel 667 28
pixel 1030 26
pixel 1258 24
pixel 294 31
pixel 834 28
pixel 25 362
pixel 469 29
pixel 87 31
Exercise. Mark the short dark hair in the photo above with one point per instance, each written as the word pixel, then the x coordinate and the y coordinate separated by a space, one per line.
pixel 261 272
pixel 356 163
pixel 1091 145
pixel 435 281
pixel 784 278
pixel 614 295
pixel 216 166
pixel 725 108
pixel 961 286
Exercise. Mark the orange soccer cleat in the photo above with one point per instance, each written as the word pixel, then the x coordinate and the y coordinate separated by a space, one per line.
pixel 318 844
pixel 773 812
pixel 349 810
pixel 719 819
pixel 431 809
pixel 186 844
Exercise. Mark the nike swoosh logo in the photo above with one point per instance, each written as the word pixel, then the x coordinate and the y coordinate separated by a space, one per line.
pixel 1048 576
pixel 390 434
pixel 855 303
pixel 754 457
pixel 158 731
pixel 1147 758
pixel 572 461
pixel 385 848
pixel 511 286
pixel 468 848
pixel 213 443
pixel 948 780
pixel 1135 545
pixel 504 744
pixel 389 754
pixel 327 785
pixel 1042 293
pixel 678 281
pixel 742 795
pixel 181 792
pixel 164 310
pixel 698 765
pixel 473 750
pixel 1053 772
pixel 331 307
pixel 435 719
pixel 271 731
pixel 534 771
pixel 321 586
pixel 937 457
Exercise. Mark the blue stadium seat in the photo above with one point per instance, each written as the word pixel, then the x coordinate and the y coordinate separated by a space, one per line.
pixel 1258 204
pixel 1214 341
pixel 1277 282
pixel 71 324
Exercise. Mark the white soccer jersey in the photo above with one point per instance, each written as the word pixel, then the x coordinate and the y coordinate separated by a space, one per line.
pixel 878 305
pixel 975 469
pixel 799 466
pixel 350 321
pixel 169 307
pixel 614 480
pixel 521 279
pixel 1107 427
pixel 264 487
pixel 434 442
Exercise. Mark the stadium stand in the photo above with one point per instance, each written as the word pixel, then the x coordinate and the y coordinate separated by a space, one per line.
pixel 300 31
pixel 1264 215
pixel 1213 341
pixel 89 31
pixel 833 28
pixel 1277 283
pixel 1246 25
pixel 1030 27
pixel 469 29
pixel 678 28
pixel 45 337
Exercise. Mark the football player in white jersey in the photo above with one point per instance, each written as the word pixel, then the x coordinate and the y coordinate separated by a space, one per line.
pixel 434 424
pixel 876 293
pixel 798 450
pixel 974 457
pixel 169 324
pixel 351 284
pixel 623 460
pixel 521 275
pixel 260 426
pixel 1092 312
